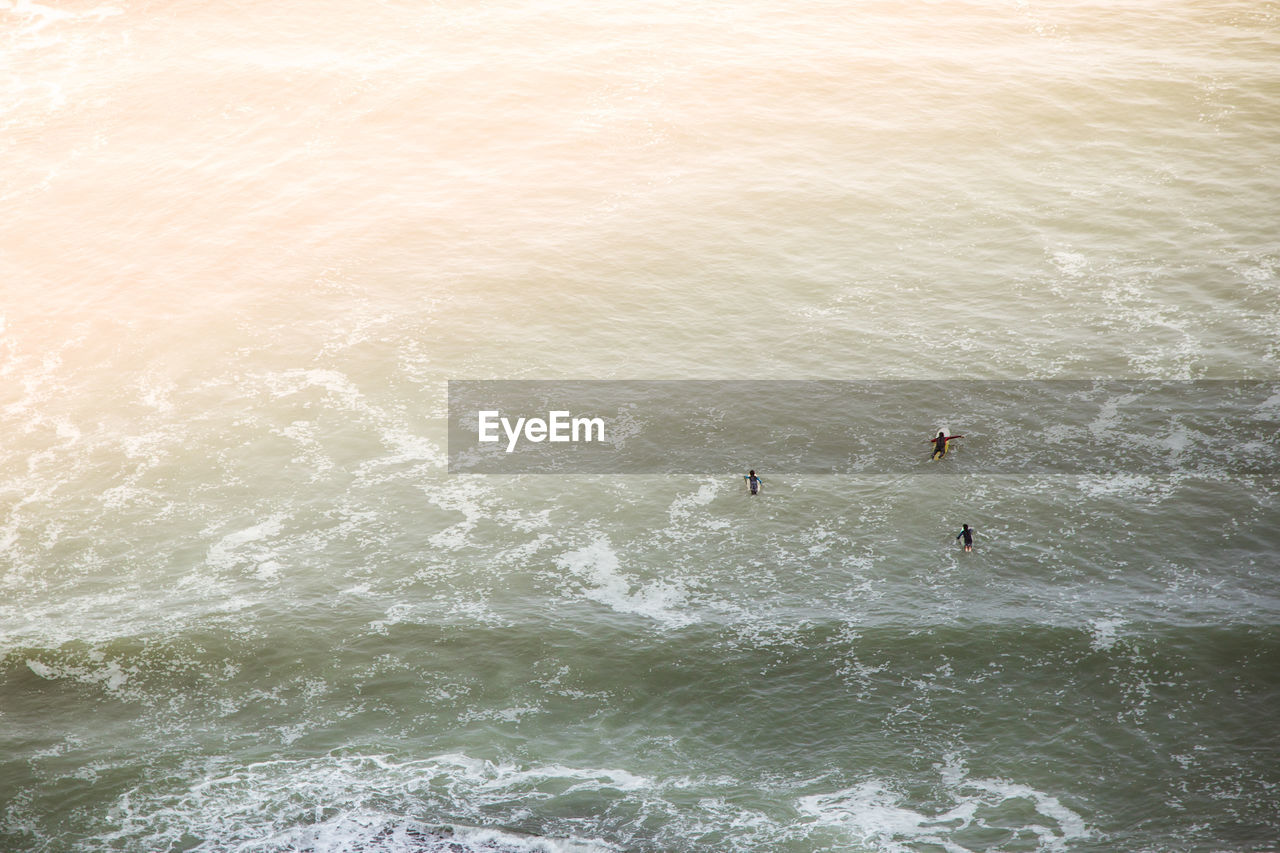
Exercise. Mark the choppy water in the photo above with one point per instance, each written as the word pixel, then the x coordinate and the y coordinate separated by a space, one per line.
pixel 246 608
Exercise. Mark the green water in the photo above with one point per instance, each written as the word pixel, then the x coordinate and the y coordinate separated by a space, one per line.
pixel 244 606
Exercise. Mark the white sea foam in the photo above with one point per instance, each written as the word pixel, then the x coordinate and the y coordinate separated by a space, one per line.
pixel 599 568
pixel 1117 485
pixel 874 813
pixel 303 434
pixel 688 520
pixel 238 547
pixel 396 614
pixel 110 674
pixel 289 382
pixel 350 803
pixel 685 505
pixel 1109 416
pixel 463 495
pixel 1106 632
pixel 408 447
pixel 1072 264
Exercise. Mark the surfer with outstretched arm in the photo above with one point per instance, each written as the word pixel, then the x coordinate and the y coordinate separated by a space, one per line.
pixel 940 444
pixel 967 532
pixel 753 482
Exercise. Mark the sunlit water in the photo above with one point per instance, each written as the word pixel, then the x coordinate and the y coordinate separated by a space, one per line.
pixel 245 607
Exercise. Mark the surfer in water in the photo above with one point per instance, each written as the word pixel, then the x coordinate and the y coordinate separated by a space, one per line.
pixel 940 444
pixel 967 532
pixel 753 482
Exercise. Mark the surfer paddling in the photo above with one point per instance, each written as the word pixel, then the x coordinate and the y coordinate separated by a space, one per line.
pixel 940 444
pixel 753 482
pixel 967 532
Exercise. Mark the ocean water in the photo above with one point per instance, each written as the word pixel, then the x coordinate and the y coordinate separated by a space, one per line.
pixel 245 606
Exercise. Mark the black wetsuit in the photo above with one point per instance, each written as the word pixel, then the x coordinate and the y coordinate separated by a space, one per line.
pixel 754 482
pixel 940 446
pixel 967 533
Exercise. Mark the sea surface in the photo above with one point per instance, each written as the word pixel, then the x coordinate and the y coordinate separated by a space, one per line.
pixel 245 605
